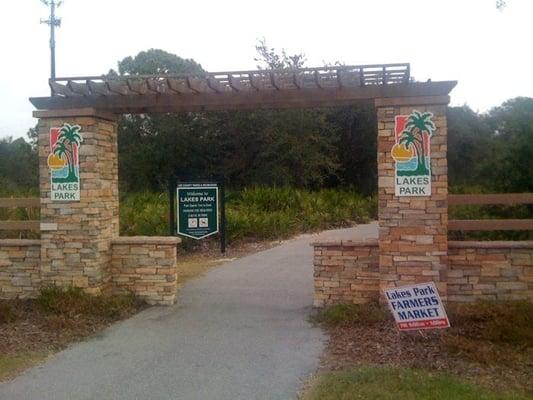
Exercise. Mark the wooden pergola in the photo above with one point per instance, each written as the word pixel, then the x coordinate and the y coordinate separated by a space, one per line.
pixel 238 90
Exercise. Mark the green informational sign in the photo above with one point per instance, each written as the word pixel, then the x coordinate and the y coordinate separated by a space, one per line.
pixel 197 213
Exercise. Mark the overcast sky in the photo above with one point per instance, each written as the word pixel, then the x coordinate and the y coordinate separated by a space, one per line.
pixel 488 51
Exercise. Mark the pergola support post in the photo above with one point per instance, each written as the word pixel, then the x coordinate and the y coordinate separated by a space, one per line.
pixel 76 236
pixel 413 245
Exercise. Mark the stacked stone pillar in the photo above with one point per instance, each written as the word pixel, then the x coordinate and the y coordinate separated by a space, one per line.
pixel 76 236
pixel 412 230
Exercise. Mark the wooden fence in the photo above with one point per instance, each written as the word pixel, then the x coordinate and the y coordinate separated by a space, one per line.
pixel 490 224
pixel 11 225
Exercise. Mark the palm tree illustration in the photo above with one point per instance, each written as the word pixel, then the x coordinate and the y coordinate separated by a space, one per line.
pixel 67 140
pixel 413 135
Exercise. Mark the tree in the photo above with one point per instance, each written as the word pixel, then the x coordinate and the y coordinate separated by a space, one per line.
pixel 68 138
pixel 413 135
pixel 269 58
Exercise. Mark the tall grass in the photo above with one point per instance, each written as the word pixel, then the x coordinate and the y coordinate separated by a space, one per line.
pixel 257 213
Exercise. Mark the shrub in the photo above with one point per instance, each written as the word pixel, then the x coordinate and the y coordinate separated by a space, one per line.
pixel 257 213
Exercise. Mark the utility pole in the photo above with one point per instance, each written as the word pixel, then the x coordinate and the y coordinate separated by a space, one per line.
pixel 53 22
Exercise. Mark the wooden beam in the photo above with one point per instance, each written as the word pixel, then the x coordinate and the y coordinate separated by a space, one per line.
pixel 198 85
pixel 62 90
pixel 257 82
pixel 178 85
pixel 118 87
pixel 236 83
pixel 318 80
pixel 98 88
pixel 499 198
pixel 490 225
pixel 215 85
pixel 33 202
pixel 79 88
pixel 275 81
pixel 246 100
pixel 20 225
pixel 137 86
pixel 298 80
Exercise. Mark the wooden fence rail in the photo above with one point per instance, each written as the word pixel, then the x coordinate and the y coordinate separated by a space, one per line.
pixel 490 224
pixel 12 202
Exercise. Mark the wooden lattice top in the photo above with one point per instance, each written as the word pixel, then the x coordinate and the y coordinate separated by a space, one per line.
pixel 238 81
pixel 238 90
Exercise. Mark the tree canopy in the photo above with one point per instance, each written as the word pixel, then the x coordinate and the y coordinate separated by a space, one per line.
pixel 308 148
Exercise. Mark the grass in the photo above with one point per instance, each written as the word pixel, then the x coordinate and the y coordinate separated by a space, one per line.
pixel 31 330
pixel 72 302
pixel 260 213
pixel 348 314
pixel 12 365
pixel 385 383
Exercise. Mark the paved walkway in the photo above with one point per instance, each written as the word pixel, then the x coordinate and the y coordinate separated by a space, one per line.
pixel 240 332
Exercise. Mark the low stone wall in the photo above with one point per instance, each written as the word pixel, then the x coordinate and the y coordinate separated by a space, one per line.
pixel 145 266
pixel 346 272
pixel 490 271
pixel 20 275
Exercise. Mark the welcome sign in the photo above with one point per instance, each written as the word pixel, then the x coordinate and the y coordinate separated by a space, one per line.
pixel 411 153
pixel 64 162
pixel 417 307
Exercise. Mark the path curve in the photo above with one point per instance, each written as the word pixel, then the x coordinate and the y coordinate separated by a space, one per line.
pixel 239 332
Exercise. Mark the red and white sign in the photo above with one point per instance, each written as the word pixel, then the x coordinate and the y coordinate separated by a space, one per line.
pixel 417 307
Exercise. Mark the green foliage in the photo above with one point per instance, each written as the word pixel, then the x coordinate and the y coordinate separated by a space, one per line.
pixel 349 314
pixel 73 301
pixel 257 213
pixel 18 165
pixel 156 61
pixel 380 383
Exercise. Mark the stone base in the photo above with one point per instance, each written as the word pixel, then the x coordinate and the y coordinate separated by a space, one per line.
pixel 348 272
pixel 145 266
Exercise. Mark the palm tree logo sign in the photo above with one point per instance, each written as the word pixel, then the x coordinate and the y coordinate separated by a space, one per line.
pixel 63 160
pixel 412 149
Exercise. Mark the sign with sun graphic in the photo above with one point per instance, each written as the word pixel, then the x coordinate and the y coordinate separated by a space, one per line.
pixel 411 153
pixel 64 162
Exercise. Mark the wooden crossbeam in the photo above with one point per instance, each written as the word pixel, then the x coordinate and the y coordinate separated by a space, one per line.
pixel 137 86
pixel 178 85
pixel 215 85
pixel 298 80
pixel 197 85
pixel 98 88
pixel 483 199
pixel 118 87
pixel 236 83
pixel 256 81
pixel 62 90
pixel 11 202
pixel 318 80
pixel 79 88
pixel 19 225
pixel 490 224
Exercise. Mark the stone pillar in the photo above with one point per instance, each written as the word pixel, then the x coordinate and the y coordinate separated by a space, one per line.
pixel 76 235
pixel 412 230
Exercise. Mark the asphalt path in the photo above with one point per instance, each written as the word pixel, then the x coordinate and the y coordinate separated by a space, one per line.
pixel 239 332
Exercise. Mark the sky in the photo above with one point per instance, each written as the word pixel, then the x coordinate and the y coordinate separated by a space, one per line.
pixel 486 50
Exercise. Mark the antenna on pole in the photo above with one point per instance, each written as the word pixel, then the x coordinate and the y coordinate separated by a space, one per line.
pixel 52 22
